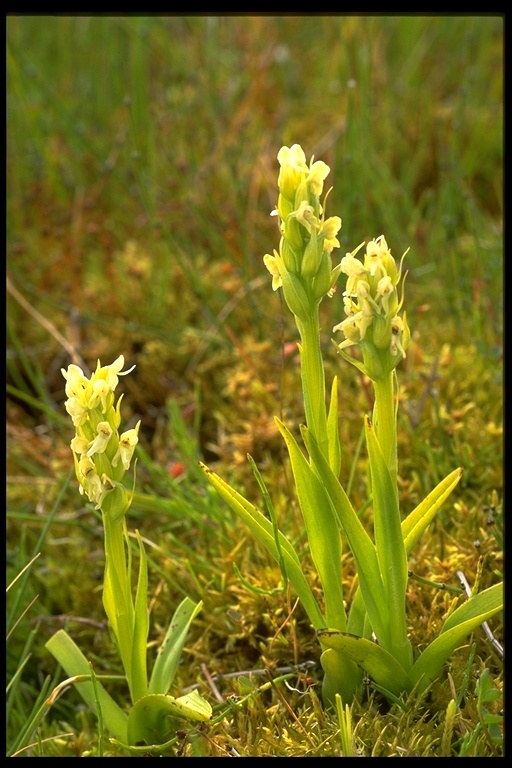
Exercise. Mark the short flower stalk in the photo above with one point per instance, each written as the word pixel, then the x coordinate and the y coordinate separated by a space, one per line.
pixel 373 324
pixel 102 455
pixel 370 637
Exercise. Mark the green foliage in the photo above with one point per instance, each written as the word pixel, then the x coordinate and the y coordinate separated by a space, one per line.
pixel 140 174
pixel 491 722
pixel 381 337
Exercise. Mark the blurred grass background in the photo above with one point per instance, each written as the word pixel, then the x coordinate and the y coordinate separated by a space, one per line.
pixel 141 171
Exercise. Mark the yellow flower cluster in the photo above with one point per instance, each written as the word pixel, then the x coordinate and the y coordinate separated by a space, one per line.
pixel 302 266
pixel 101 455
pixel 371 301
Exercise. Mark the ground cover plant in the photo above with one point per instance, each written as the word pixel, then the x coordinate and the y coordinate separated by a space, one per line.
pixel 141 174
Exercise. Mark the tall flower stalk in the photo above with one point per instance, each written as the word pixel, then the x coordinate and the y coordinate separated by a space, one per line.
pixel 303 268
pixel 372 637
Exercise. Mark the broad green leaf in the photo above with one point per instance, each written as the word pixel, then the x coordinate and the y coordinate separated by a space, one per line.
pixel 261 527
pixel 491 599
pixel 456 628
pixel 152 719
pixel 379 663
pixel 323 534
pixel 358 616
pixel 360 543
pixel 170 651
pixel 417 521
pixel 390 548
pixel 336 682
pixel 73 662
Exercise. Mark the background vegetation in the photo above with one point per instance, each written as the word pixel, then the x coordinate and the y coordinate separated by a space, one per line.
pixel 141 171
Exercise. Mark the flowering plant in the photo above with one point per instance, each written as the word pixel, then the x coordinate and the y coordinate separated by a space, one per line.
pixel 372 636
pixel 102 456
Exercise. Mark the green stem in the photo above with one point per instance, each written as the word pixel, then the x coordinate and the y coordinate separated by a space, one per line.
pixel 341 674
pixel 388 533
pixel 384 420
pixel 313 379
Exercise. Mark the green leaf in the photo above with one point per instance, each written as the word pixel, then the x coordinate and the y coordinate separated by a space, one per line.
pixel 360 366
pixel 375 660
pixel 140 628
pixel 73 662
pixel 335 683
pixel 323 534
pixel 295 295
pixel 358 622
pixel 484 688
pixel 170 651
pixel 261 527
pixel 193 707
pixel 152 719
pixel 456 628
pixel 333 432
pixel 359 541
pixel 417 521
pixel 263 530
pixel 481 605
pixel 144 750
